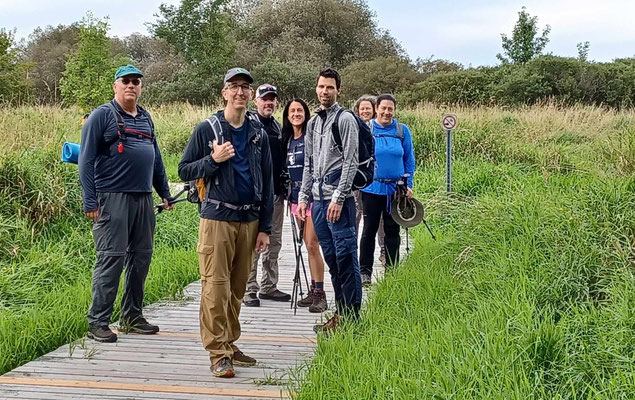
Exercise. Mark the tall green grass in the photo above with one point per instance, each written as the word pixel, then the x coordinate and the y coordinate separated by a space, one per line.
pixel 529 291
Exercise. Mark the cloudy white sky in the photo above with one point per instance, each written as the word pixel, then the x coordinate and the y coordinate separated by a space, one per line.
pixel 465 31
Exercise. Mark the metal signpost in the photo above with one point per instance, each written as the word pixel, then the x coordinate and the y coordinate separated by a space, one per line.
pixel 448 124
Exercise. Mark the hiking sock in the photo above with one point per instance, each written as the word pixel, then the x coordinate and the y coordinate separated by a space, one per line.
pixel 319 285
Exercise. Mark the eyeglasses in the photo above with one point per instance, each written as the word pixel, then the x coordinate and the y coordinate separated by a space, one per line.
pixel 135 81
pixel 234 88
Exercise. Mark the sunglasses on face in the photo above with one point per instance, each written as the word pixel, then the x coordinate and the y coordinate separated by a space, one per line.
pixel 135 81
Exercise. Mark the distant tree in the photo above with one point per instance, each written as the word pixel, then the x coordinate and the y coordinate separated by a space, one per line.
pixel 525 44
pixel 48 49
pixel 155 56
pixel 14 87
pixel 321 32
pixel 428 67
pixel 583 50
pixel 87 79
pixel 378 75
pixel 201 30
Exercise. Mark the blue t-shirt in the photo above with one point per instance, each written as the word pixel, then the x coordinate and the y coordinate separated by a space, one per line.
pixel 295 165
pixel 394 158
pixel 240 164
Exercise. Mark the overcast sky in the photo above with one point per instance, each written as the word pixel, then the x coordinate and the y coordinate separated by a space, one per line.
pixel 464 31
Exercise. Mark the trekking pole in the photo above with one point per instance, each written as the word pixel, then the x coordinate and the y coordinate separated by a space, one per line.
pixel 173 200
pixel 299 261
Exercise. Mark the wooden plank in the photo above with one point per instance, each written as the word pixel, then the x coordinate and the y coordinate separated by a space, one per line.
pixel 50 392
pixel 255 393
pixel 255 338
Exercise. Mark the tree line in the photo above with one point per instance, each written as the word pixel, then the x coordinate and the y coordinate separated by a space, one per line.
pixel 285 42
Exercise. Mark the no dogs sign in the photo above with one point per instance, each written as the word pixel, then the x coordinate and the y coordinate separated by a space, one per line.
pixel 448 122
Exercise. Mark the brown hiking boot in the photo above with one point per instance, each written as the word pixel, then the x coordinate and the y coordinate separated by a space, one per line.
pixel 308 300
pixel 223 368
pixel 329 327
pixel 319 301
pixel 243 360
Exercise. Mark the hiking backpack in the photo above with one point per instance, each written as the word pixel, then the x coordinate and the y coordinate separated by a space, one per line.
pixel 366 142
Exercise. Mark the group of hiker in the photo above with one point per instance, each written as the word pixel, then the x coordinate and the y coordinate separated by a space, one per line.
pixel 246 165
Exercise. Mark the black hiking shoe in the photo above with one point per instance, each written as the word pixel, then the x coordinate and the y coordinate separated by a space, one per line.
pixel 319 302
pixel 223 368
pixel 139 326
pixel 101 333
pixel 275 295
pixel 251 300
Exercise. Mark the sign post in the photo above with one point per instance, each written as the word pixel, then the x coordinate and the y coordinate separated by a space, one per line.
pixel 448 124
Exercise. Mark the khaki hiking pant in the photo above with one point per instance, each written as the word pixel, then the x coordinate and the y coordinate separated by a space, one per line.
pixel 269 280
pixel 225 254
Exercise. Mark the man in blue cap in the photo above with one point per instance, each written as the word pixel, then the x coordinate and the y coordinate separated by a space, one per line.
pixel 119 164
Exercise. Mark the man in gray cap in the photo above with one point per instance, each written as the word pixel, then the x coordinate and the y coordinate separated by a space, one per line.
pixel 266 101
pixel 235 215
pixel 119 164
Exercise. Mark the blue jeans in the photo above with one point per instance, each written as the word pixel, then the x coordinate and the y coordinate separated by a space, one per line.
pixel 338 241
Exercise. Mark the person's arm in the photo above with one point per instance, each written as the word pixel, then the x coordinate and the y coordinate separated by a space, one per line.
pixel 408 155
pixel 197 161
pixel 349 133
pixel 307 176
pixel 266 209
pixel 92 139
pixel 159 177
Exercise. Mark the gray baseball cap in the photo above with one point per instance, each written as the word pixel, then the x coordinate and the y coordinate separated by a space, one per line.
pixel 234 72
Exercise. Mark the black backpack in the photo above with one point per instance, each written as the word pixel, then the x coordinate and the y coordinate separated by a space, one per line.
pixel 366 166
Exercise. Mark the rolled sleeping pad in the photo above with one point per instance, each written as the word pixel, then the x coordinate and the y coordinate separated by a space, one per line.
pixel 70 152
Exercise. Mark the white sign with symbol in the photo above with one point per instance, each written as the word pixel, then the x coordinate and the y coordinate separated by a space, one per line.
pixel 448 122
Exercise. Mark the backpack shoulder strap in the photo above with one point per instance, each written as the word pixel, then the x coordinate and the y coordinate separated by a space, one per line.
pixel 335 128
pixel 217 129
pixel 121 125
pixel 400 130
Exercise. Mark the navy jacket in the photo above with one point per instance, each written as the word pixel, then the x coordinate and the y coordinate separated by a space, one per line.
pixel 197 162
pixel 102 168
pixel 274 131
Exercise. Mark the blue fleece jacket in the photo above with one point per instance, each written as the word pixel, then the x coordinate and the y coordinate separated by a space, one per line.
pixel 394 158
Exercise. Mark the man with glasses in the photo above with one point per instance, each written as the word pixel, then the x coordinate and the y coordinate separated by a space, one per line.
pixel 119 164
pixel 231 153
pixel 266 101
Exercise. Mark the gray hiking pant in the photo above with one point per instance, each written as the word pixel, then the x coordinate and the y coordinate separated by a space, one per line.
pixel 123 235
pixel 269 280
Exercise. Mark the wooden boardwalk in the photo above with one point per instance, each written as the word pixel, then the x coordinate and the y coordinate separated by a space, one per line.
pixel 173 364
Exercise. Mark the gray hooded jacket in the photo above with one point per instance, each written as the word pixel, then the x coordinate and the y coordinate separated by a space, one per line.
pixel 324 164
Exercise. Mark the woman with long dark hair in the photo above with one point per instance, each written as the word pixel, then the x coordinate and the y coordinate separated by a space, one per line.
pixel 294 122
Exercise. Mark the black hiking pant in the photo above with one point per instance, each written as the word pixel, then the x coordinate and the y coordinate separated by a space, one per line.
pixel 374 207
pixel 123 236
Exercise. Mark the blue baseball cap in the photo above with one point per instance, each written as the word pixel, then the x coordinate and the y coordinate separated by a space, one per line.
pixel 127 70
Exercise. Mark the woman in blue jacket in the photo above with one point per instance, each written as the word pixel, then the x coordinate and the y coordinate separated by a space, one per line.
pixel 395 159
